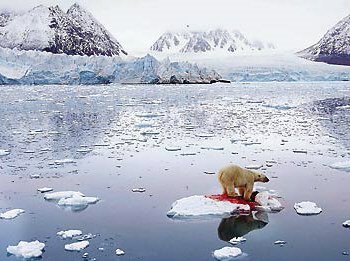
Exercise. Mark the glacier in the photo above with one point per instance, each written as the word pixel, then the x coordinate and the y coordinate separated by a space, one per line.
pixel 36 67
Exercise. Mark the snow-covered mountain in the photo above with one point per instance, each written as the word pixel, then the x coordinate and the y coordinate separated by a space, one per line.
pixel 37 67
pixel 334 46
pixel 207 41
pixel 75 32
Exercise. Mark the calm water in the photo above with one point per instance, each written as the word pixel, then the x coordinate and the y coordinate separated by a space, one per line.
pixel 124 131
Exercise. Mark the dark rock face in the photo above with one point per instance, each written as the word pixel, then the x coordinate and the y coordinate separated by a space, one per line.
pixel 75 32
pixel 334 46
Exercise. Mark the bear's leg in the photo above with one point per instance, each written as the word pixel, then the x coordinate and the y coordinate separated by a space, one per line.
pixel 224 191
pixel 247 194
pixel 241 191
pixel 231 191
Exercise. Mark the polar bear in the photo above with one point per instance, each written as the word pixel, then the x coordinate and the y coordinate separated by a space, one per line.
pixel 233 176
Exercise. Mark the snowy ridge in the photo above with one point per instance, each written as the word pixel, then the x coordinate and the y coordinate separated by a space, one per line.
pixel 334 46
pixel 207 41
pixel 75 32
pixel 36 67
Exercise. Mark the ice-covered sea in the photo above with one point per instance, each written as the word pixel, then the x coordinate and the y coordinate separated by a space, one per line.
pixel 132 150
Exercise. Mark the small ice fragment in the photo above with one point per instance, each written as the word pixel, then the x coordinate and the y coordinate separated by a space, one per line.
pixel 212 148
pixel 34 176
pixel 64 161
pixel 77 200
pixel 227 253
pixel 86 237
pixel 77 246
pixel 69 233
pixel 237 240
pixel 280 242
pixel 13 213
pixel 101 249
pixel 85 255
pixel 204 135
pixel 307 208
pixel 141 190
pixel 300 151
pixel 209 172
pixel 119 252
pixel 254 166
pixel 343 165
pixel 27 249
pixel 84 150
pixel 62 194
pixel 346 223
pixel 172 148
pixel 45 189
pixel 4 152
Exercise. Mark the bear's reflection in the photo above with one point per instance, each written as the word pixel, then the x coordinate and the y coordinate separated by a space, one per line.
pixel 238 226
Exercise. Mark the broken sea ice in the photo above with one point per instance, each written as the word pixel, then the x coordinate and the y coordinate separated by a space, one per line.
pixel 27 249
pixel 307 208
pixel 227 253
pixel 13 213
pixel 77 246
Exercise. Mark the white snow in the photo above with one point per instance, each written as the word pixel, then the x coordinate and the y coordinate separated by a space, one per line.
pixel 342 165
pixel 227 253
pixel 77 246
pixel 45 189
pixel 62 194
pixel 69 233
pixel 200 206
pixel 346 223
pixel 119 252
pixel 27 249
pixel 268 201
pixel 77 200
pixel 13 213
pixel 4 152
pixel 307 208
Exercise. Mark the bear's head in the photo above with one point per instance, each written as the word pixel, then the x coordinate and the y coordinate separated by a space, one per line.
pixel 260 177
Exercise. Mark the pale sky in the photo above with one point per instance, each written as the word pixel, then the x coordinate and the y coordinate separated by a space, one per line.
pixel 136 24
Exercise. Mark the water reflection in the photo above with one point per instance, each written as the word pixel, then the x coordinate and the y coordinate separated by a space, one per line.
pixel 238 226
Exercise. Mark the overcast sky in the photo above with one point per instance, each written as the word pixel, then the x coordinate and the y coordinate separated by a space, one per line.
pixel 289 24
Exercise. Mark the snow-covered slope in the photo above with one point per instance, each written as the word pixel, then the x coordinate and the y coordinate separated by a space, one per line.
pixel 334 46
pixel 75 32
pixel 37 67
pixel 207 41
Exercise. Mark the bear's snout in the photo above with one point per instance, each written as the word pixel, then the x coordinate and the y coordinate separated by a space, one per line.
pixel 266 179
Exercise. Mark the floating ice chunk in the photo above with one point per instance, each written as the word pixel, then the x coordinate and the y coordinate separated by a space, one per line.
pixel 267 202
pixel 4 152
pixel 343 165
pixel 201 206
pixel 119 252
pixel 346 223
pixel 254 166
pixel 77 246
pixel 237 240
pixel 69 233
pixel 212 148
pixel 307 208
pixel 204 135
pixel 13 213
pixel 172 148
pixel 141 190
pixel 27 249
pixel 77 200
pixel 62 194
pixel 45 189
pixel 280 242
pixel 64 161
pixel 227 253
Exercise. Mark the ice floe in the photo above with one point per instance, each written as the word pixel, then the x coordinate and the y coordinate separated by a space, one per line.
pixel 27 249
pixel 237 240
pixel 280 242
pixel 346 223
pixel 77 246
pixel 13 213
pixel 62 194
pixel 307 208
pixel 343 165
pixel 140 190
pixel 77 200
pixel 227 253
pixel 201 206
pixel 268 202
pixel 72 199
pixel 119 252
pixel 45 189
pixel 69 233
